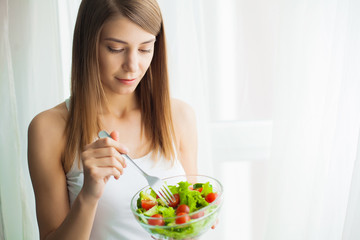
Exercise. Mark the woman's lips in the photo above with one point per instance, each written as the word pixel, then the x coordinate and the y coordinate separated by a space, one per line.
pixel 126 80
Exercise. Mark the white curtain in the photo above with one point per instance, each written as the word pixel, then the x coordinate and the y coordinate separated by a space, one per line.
pixel 15 200
pixel 31 81
pixel 263 76
pixel 307 55
pixel 316 121
pixel 352 219
pixel 185 34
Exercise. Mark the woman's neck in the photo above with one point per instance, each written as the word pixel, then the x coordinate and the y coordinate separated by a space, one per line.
pixel 120 106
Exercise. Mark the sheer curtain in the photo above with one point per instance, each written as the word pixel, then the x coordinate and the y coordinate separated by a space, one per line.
pixel 183 22
pixel 31 81
pixel 313 183
pixel 14 205
pixel 275 86
pixel 306 54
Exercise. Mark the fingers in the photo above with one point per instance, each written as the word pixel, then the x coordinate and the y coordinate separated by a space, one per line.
pixel 103 173
pixel 108 152
pixel 108 162
pixel 115 135
pixel 108 142
pixel 100 169
pixel 102 158
pixel 105 159
pixel 112 172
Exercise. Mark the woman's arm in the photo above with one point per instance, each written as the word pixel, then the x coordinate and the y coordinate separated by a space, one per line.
pixel 45 145
pixel 186 132
pixel 101 160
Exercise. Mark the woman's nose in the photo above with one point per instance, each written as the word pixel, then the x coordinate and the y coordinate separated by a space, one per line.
pixel 131 63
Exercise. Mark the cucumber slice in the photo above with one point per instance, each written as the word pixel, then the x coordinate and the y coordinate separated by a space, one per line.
pixel 197 185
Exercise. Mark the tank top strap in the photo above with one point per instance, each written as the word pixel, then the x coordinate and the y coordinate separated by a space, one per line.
pixel 67 102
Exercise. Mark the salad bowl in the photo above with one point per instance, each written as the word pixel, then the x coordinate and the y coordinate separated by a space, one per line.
pixel 202 195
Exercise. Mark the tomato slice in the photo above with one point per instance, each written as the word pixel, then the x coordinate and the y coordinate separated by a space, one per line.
pixel 159 221
pixel 182 218
pixel 211 197
pixel 176 202
pixel 147 204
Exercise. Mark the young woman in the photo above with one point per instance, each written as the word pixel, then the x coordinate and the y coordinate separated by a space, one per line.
pixel 119 83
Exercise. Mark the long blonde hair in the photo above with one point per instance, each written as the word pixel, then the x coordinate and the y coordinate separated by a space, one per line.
pixel 87 93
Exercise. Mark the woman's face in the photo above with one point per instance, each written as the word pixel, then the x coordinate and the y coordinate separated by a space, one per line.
pixel 125 54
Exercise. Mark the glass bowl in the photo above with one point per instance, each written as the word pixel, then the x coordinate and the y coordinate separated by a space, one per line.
pixel 201 220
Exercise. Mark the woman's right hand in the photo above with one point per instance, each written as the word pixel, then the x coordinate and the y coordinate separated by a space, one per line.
pixel 101 160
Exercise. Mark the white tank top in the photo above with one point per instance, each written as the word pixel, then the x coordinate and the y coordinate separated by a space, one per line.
pixel 113 218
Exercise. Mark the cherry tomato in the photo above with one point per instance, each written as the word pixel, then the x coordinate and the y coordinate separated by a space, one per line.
pixel 176 202
pixel 211 197
pixel 199 189
pixel 182 218
pixel 159 221
pixel 197 215
pixel 147 204
pixel 183 208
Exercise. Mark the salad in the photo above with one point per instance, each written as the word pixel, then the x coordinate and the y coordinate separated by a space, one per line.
pixel 184 216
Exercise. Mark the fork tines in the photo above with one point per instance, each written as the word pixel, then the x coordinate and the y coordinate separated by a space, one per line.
pixel 165 194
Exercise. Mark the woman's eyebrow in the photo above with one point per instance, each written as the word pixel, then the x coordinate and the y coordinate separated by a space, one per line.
pixel 123 42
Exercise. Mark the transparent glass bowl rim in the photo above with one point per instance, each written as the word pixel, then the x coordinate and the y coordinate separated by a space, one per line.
pixel 217 201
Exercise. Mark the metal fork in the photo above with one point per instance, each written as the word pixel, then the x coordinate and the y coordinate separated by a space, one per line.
pixel 158 185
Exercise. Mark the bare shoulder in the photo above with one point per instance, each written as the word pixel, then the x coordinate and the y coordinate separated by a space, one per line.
pixel 46 143
pixel 186 134
pixel 182 112
pixel 56 115
pixel 46 132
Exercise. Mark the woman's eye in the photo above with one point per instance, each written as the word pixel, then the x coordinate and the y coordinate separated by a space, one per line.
pixel 145 50
pixel 115 50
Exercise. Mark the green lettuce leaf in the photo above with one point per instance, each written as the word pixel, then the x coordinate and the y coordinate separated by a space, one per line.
pixel 166 212
pixel 191 198
pixel 207 188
